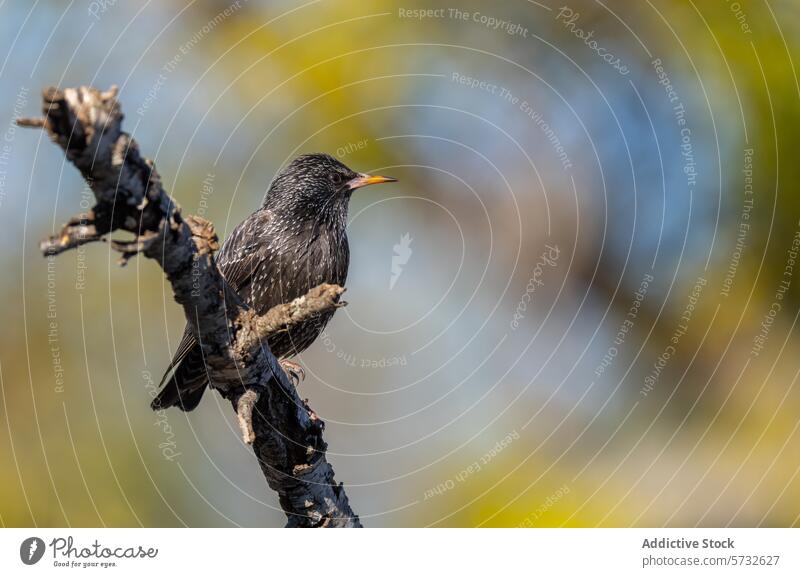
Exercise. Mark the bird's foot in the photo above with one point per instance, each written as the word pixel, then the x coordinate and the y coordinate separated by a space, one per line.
pixel 293 370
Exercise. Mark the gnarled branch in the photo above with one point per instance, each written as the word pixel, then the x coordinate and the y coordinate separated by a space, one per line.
pixel 285 433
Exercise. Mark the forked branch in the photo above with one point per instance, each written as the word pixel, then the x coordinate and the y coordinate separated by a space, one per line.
pixel 285 433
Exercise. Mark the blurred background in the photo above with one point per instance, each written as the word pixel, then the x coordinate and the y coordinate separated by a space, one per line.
pixel 577 307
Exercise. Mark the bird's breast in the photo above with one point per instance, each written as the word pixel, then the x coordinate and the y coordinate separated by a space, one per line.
pixel 295 265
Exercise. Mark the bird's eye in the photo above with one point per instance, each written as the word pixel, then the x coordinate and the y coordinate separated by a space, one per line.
pixel 337 178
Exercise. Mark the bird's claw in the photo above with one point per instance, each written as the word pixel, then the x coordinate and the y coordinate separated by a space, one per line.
pixel 293 370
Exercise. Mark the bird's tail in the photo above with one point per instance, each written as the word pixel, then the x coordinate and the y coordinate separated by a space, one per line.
pixel 185 380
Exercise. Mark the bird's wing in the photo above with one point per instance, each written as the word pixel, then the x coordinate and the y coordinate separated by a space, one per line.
pixel 236 260
pixel 186 345
pixel 240 252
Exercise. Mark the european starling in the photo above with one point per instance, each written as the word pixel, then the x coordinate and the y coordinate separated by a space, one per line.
pixel 295 241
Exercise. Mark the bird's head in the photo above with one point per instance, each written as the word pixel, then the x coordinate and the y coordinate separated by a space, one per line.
pixel 315 185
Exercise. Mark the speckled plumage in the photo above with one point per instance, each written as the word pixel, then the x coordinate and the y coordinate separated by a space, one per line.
pixel 295 241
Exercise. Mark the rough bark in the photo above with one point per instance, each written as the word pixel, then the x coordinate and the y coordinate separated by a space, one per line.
pixel 285 433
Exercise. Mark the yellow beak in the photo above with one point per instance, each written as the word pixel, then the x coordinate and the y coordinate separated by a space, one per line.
pixel 366 180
